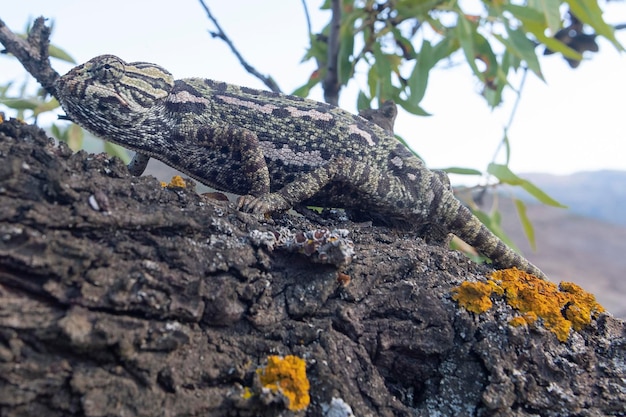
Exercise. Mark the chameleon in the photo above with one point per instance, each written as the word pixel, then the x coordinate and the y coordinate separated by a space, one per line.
pixel 277 151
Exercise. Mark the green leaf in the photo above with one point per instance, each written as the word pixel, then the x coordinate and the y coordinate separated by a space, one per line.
pixel 59 53
pixel 445 48
pixel 538 31
pixel 529 230
pixel 56 132
pixel 116 150
pixel 21 103
pixel 416 8
pixel 549 10
pixel 465 31
pixel 402 141
pixel 411 107
pixel 589 12
pixel 46 106
pixel 303 91
pixel 462 171
pixel 506 176
pixel 418 80
pixel 507 147
pixel 363 101
pixel 408 52
pixel 75 136
pixel 383 71
pixel 345 66
pixel 521 46
pixel 493 223
pixel 526 14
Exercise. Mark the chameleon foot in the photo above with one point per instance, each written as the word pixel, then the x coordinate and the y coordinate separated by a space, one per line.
pixel 266 203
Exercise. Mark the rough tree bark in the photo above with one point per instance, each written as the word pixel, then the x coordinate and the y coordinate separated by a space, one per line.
pixel 121 297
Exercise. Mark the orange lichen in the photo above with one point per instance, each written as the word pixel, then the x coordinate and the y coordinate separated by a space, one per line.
pixel 177 181
pixel 474 296
pixel 560 308
pixel 287 375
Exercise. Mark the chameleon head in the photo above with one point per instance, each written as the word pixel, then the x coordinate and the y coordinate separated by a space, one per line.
pixel 106 94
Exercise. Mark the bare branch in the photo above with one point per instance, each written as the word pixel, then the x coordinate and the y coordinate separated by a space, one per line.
pixel 32 52
pixel 267 80
pixel 331 83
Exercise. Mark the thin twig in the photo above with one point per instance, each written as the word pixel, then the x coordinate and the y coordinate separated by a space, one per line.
pixel 267 80
pixel 513 113
pixel 32 52
pixel 308 17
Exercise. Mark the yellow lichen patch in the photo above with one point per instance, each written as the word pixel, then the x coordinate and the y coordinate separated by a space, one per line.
pixel 473 296
pixel 177 181
pixel 581 305
pixel 561 308
pixel 287 375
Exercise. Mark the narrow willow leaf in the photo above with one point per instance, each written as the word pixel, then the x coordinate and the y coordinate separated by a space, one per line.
pixel 588 11
pixel 59 53
pixel 538 31
pixel 411 107
pixel 526 13
pixel 56 132
pixel 363 101
pixel 549 10
pixel 75 135
pixel 116 150
pixel 462 171
pixel 529 230
pixel 492 223
pixel 418 80
pixel 21 103
pixel 46 106
pixel 465 33
pixel 540 195
pixel 345 67
pixel 525 48
pixel 506 176
pixel 303 91
pixel 445 48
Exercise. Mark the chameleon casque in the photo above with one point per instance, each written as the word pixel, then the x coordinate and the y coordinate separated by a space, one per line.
pixel 275 150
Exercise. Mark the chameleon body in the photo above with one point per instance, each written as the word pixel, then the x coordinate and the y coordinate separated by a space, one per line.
pixel 275 150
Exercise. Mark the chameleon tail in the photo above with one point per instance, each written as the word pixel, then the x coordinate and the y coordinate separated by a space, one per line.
pixel 467 227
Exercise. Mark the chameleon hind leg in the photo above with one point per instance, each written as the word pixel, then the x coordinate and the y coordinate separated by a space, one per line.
pixel 366 180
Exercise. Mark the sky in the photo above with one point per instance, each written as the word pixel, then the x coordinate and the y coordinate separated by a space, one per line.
pixel 574 121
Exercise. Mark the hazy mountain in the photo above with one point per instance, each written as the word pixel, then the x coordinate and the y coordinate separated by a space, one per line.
pixel 596 194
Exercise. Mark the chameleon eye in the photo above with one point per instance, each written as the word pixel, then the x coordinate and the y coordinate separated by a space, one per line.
pixel 108 68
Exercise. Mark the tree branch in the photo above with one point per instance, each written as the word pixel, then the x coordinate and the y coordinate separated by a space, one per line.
pixel 331 83
pixel 32 52
pixel 266 79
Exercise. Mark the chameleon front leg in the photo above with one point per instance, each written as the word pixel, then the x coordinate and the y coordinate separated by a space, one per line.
pixel 138 164
pixel 241 149
pixel 306 186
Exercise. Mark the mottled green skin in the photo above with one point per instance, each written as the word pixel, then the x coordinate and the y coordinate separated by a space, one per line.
pixel 276 150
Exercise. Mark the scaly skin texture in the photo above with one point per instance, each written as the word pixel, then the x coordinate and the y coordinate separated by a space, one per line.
pixel 275 150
